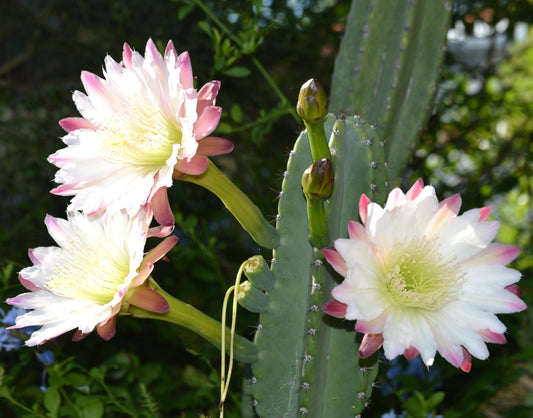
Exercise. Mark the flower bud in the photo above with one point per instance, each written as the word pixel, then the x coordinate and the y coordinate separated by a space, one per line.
pixel 317 180
pixel 251 298
pixel 257 271
pixel 312 103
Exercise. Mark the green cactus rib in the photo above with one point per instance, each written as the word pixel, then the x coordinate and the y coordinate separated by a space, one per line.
pixel 307 361
pixel 281 336
pixel 388 61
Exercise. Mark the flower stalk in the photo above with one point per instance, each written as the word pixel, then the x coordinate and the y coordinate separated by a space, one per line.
pixel 240 206
pixel 183 314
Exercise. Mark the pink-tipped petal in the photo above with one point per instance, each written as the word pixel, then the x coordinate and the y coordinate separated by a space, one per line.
pixel 363 207
pixel 370 344
pixel 372 326
pixel 160 249
pixel 214 146
pixel 484 213
pixel 64 190
pixel 170 49
pixel 466 365
pixel 148 299
pixel 451 204
pixel 28 284
pixel 411 353
pixel 126 56
pixel 186 77
pixel 396 198
pixel 514 289
pixel 492 337
pixel 144 271
pixel 72 124
pixel 196 166
pixel 335 260
pixel 107 330
pixel 495 253
pixel 207 96
pixel 357 231
pixel 415 190
pixel 92 83
pixel 335 308
pixel 151 53
pixel 207 122
pixel 78 335
pixel 160 231
pixel 161 207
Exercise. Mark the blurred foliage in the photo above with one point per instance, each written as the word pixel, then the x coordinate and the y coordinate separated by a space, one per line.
pixel 478 143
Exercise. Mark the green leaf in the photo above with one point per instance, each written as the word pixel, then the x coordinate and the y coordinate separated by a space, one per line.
pixel 90 407
pixel 185 10
pixel 238 72
pixel 205 26
pixel 52 400
pixel 77 380
pixel 434 400
pixel 235 113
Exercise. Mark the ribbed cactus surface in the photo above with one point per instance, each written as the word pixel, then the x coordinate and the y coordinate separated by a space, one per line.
pixel 383 83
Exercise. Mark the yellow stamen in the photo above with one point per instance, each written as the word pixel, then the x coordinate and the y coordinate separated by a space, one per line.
pixel 88 270
pixel 141 135
pixel 416 275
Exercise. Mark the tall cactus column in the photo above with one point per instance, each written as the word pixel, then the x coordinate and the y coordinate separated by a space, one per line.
pixel 385 71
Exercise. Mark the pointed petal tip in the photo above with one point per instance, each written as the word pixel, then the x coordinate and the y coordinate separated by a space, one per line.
pixel 335 308
pixel 364 201
pixel 370 344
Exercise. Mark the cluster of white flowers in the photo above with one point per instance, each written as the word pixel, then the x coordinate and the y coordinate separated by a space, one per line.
pixel 142 124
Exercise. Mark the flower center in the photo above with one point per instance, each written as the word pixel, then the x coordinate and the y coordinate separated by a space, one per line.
pixel 87 270
pixel 141 135
pixel 418 276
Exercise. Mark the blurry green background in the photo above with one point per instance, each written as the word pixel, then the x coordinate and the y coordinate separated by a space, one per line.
pixel 477 143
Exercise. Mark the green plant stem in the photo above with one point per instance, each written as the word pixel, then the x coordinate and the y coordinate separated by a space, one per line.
pixel 181 313
pixel 317 140
pixel 318 223
pixel 247 213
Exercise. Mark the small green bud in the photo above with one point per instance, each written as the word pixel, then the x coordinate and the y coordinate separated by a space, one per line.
pixel 251 298
pixel 312 103
pixel 257 271
pixel 317 180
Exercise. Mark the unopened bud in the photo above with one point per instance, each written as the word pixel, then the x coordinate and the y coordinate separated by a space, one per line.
pixel 251 298
pixel 257 271
pixel 312 103
pixel 317 180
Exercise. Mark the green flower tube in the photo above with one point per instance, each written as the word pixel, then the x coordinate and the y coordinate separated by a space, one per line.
pixel 240 206
pixel 181 313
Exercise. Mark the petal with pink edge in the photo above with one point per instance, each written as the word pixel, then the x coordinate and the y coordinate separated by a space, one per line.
pixel 335 260
pixel 72 124
pixel 364 201
pixel 415 190
pixel 196 166
pixel 214 146
pixel 370 344
pixel 335 308
pixel 207 122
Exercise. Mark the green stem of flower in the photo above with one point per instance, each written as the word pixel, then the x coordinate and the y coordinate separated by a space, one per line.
pixel 181 313
pixel 317 140
pixel 248 214
pixel 318 223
